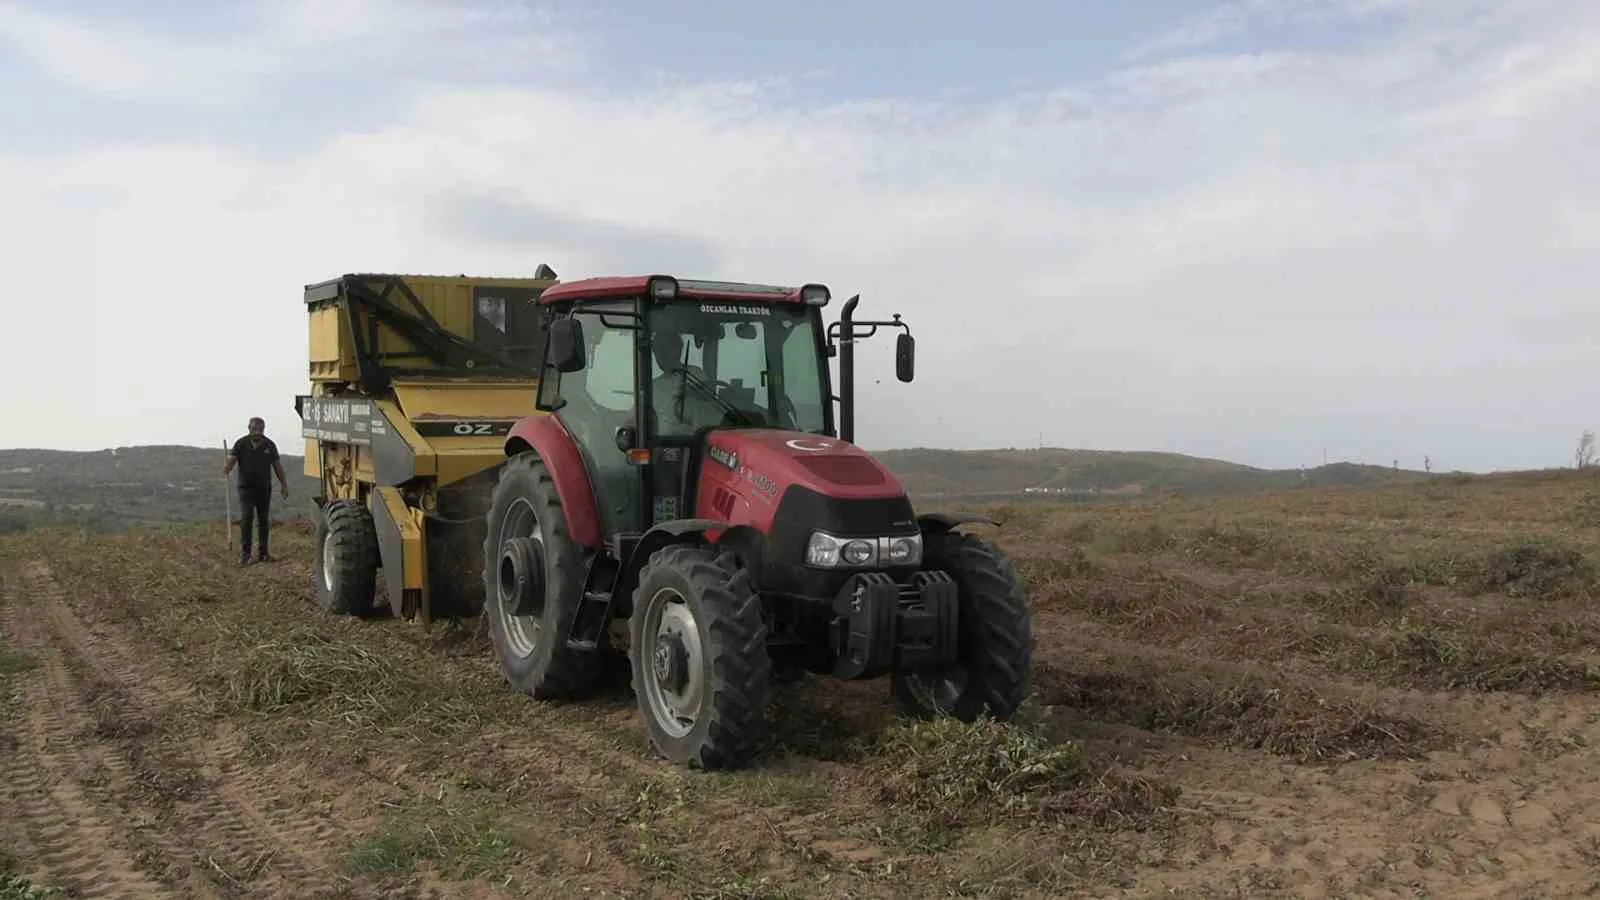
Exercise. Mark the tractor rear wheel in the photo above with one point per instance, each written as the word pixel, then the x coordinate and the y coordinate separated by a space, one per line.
pixel 698 647
pixel 533 585
pixel 345 564
pixel 995 657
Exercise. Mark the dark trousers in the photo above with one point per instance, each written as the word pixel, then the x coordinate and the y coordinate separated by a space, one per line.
pixel 255 503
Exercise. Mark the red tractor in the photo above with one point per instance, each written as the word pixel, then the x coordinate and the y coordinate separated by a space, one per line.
pixel 691 479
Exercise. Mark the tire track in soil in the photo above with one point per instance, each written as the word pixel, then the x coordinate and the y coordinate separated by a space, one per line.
pixel 241 816
pixel 583 759
pixel 64 787
pixel 586 760
pixel 1506 804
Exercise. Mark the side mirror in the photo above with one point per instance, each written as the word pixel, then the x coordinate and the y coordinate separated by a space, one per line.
pixel 905 357
pixel 566 345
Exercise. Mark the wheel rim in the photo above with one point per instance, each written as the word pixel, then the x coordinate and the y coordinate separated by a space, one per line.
pixel 672 660
pixel 522 631
pixel 327 560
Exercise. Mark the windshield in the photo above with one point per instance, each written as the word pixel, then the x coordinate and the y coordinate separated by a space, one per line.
pixel 732 363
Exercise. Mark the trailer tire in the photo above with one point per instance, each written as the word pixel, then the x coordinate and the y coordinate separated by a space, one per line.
pixel 345 562
pixel 724 651
pixel 532 565
pixel 996 637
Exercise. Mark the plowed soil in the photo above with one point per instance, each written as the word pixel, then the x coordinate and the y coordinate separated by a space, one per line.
pixel 1384 692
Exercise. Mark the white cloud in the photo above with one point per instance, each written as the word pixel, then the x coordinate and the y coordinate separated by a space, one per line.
pixel 1236 255
pixel 123 61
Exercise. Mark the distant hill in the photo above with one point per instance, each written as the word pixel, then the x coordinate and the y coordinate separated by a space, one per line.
pixel 133 485
pixel 130 486
pixel 1090 473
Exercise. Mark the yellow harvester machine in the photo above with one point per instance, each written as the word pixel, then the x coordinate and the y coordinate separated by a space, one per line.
pixel 415 382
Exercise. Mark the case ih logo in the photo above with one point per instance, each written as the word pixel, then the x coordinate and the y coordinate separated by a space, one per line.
pixel 727 458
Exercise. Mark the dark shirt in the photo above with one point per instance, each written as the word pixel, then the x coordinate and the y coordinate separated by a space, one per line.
pixel 255 461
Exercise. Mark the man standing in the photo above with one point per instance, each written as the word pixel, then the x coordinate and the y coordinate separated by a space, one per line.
pixel 257 458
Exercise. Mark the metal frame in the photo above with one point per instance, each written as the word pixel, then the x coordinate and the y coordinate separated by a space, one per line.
pixel 844 333
pixel 448 350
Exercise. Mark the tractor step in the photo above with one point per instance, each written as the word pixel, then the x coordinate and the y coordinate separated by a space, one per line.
pixel 594 614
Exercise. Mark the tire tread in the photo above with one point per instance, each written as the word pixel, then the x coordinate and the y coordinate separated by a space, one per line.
pixel 997 625
pixel 567 673
pixel 349 525
pixel 741 669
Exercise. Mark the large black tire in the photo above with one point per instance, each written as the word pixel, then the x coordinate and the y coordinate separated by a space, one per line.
pixel 532 647
pixel 714 655
pixel 995 658
pixel 345 563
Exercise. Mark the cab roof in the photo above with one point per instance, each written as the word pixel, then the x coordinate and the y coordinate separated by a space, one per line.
pixel 635 285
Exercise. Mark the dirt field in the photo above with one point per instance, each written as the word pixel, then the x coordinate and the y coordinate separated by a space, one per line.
pixel 1365 693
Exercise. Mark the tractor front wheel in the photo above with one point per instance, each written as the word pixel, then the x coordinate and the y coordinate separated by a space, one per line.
pixel 533 585
pixel 698 648
pixel 346 562
pixel 995 656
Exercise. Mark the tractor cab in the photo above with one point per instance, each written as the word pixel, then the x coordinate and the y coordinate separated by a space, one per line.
pixel 639 371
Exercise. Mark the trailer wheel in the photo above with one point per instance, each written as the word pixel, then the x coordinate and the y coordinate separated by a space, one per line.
pixel 533 585
pixel 996 639
pixel 698 646
pixel 345 564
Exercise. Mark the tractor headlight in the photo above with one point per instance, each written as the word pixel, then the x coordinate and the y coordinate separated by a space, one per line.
pixel 827 551
pixel 823 550
pixel 858 553
pixel 904 551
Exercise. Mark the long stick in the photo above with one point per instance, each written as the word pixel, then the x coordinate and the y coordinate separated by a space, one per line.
pixel 228 500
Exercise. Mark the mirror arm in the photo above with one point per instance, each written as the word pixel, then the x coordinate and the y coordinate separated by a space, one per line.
pixel 835 332
pixel 847 331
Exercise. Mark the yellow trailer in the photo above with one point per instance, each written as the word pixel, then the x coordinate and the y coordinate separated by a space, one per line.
pixel 415 382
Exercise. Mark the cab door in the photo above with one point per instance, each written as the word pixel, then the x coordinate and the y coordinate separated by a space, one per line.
pixel 593 403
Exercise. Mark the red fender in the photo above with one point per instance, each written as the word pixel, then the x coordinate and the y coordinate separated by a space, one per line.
pixel 549 438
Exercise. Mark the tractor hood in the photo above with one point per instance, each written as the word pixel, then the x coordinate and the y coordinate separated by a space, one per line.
pixel 773 460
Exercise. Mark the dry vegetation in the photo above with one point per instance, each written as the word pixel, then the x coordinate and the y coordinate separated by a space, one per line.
pixel 1363 692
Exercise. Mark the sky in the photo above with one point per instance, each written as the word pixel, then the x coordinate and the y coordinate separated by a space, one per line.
pixel 1269 231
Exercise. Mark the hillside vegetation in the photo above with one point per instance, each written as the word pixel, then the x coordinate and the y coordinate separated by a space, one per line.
pixel 156 484
pixel 124 486
pixel 1384 691
pixel 974 473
